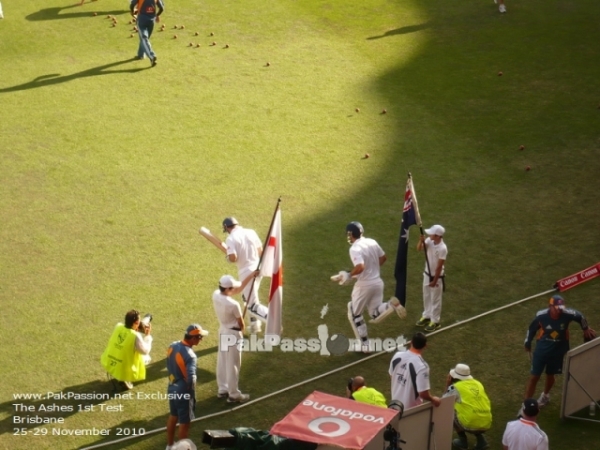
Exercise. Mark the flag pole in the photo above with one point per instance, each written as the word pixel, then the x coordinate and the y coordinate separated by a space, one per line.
pixel 262 255
pixel 419 221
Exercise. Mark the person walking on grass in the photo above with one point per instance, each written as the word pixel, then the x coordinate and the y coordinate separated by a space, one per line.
pixel 367 258
pixel 550 327
pixel 148 12
pixel 244 249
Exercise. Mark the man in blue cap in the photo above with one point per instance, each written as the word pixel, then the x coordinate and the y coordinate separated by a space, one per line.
pixel 181 391
pixel 551 329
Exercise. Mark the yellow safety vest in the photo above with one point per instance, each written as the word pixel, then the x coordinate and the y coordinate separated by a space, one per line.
pixel 474 411
pixel 370 396
pixel 120 358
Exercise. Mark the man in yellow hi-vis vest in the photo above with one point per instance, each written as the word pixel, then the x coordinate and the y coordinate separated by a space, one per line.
pixel 358 390
pixel 472 408
pixel 123 357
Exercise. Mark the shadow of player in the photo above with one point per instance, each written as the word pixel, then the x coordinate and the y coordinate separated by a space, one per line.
pixel 55 13
pixel 55 78
pixel 402 30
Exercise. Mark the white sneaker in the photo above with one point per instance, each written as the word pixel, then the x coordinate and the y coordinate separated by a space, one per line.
pixel 241 399
pixel 400 310
pixel 381 317
pixel 543 400
pixel 502 8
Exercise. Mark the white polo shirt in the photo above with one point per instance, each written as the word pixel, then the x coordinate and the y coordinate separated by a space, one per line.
pixel 366 251
pixel 227 311
pixel 244 243
pixel 524 435
pixel 434 254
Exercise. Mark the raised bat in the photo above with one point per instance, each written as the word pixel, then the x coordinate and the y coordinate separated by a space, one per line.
pixel 213 239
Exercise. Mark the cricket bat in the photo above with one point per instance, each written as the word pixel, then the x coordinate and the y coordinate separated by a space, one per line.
pixel 213 239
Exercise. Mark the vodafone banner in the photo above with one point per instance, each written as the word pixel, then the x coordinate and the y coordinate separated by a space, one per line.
pixel 327 419
pixel 578 278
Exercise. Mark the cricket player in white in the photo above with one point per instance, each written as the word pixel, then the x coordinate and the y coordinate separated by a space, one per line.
pixel 433 277
pixel 244 248
pixel 367 258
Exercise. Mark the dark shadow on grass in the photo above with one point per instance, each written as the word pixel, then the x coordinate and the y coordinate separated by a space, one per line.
pixel 402 30
pixel 55 13
pixel 55 78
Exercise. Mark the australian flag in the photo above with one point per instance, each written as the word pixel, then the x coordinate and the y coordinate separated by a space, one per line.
pixel 409 218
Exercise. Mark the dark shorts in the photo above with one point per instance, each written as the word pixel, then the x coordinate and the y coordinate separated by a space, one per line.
pixel 548 355
pixel 183 409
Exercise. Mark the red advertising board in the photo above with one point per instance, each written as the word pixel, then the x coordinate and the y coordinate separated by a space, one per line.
pixel 327 419
pixel 578 278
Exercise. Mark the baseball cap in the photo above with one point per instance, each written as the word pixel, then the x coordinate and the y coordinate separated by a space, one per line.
pixel 436 229
pixel 531 407
pixel 556 300
pixel 461 372
pixel 195 330
pixel 227 281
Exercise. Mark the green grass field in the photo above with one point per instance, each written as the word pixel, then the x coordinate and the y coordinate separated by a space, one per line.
pixel 109 167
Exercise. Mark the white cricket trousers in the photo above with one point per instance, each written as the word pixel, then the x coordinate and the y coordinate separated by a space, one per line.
pixel 370 297
pixel 229 362
pixel 432 300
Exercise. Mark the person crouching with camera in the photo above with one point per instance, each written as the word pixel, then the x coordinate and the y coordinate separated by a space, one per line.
pixel 123 358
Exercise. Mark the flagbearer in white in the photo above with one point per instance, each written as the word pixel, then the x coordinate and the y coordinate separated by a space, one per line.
pixel 244 248
pixel 229 356
pixel 433 277
pixel 367 258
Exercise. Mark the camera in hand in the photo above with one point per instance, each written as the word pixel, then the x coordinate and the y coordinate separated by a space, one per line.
pixel 145 323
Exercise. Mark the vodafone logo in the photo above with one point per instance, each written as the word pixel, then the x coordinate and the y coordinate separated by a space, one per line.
pixel 342 426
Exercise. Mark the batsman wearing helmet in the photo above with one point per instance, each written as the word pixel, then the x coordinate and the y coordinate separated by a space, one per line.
pixel 367 258
pixel 244 248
